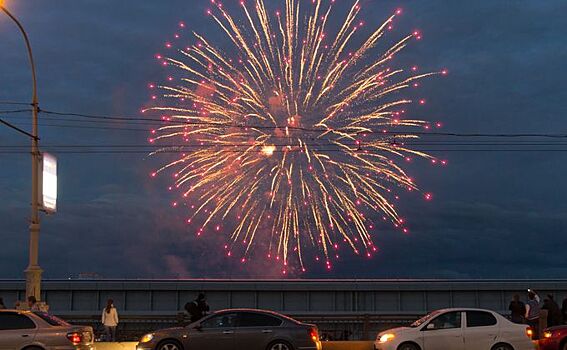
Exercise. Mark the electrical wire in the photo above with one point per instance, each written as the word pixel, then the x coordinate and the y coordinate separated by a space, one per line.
pixel 103 122
pixel 151 121
pixel 277 151
pixel 123 118
pixel 15 103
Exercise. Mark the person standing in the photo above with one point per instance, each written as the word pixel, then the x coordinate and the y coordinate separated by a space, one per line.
pixel 554 317
pixel 203 305
pixel 547 306
pixel 110 320
pixel 32 303
pixel 198 308
pixel 533 312
pixel 517 310
pixel 2 306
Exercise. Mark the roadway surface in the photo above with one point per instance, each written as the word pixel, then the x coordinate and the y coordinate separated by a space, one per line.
pixel 353 345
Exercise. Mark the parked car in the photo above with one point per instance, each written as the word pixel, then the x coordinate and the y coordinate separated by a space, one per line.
pixel 458 329
pixel 41 331
pixel 236 329
pixel 554 338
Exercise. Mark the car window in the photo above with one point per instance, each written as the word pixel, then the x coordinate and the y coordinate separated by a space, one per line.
pixel 220 321
pixel 480 319
pixel 12 320
pixel 249 319
pixel 424 319
pixel 447 320
pixel 52 320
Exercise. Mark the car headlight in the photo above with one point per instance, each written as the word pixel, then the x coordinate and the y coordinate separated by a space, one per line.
pixel 386 337
pixel 547 334
pixel 147 338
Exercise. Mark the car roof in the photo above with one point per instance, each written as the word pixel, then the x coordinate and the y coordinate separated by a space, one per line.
pixel 465 309
pixel 248 310
pixel 258 311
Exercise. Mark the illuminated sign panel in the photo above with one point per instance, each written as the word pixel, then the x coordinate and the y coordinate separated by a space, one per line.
pixel 48 181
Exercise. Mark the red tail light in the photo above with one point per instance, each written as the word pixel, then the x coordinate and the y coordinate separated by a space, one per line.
pixel 314 334
pixel 75 338
pixel 530 332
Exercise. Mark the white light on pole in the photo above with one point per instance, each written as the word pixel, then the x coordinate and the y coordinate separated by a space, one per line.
pixel 48 183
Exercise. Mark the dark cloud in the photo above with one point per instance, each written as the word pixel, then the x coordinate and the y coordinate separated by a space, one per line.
pixel 494 214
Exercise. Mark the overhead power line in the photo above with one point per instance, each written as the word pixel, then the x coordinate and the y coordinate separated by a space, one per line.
pixel 77 121
pixel 286 147
pixel 279 151
pixel 246 145
pixel 74 126
pixel 159 120
pixel 54 123
pixel 11 126
pixel 15 111
pixel 15 103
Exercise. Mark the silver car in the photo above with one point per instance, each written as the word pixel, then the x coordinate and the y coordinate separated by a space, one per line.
pixel 236 329
pixel 41 331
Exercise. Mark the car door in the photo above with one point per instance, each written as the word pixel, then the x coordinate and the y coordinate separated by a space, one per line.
pixel 215 332
pixel 255 330
pixel 481 330
pixel 444 332
pixel 16 330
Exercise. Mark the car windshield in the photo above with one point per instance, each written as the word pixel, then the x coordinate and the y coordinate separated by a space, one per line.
pixel 52 320
pixel 424 319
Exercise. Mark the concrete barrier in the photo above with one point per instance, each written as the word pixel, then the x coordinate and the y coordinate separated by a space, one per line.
pixel 115 346
pixel 327 345
pixel 348 345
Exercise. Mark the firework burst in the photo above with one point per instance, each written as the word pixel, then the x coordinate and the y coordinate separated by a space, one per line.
pixel 290 136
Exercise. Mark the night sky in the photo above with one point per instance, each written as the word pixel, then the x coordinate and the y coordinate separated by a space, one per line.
pixel 494 214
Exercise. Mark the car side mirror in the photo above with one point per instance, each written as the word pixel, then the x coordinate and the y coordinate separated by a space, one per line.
pixel 198 328
pixel 430 326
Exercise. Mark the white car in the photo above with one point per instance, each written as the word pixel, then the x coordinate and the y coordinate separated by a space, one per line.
pixel 26 330
pixel 458 329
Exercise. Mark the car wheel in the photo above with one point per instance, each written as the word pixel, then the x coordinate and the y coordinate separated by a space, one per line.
pixel 502 347
pixel 169 345
pixel 279 345
pixel 408 346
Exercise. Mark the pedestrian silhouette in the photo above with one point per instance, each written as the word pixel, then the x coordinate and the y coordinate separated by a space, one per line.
pixel 554 317
pixel 198 308
pixel 517 310
pixel 32 303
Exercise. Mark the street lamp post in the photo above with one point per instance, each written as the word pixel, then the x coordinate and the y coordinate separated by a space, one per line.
pixel 33 271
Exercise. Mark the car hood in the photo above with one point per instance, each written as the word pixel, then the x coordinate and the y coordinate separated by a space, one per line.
pixel 397 330
pixel 169 331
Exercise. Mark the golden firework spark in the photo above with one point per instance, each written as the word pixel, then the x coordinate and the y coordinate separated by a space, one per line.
pixel 288 135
